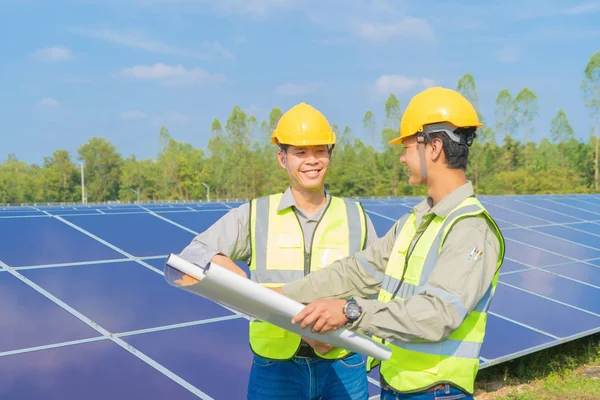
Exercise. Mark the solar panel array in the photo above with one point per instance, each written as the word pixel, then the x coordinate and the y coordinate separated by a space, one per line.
pixel 86 313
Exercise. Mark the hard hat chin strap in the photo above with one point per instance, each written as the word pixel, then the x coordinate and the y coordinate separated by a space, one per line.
pixel 421 149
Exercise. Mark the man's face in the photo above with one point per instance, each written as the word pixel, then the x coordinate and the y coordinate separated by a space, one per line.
pixel 410 158
pixel 306 166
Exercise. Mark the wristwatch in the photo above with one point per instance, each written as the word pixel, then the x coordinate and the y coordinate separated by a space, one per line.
pixel 352 310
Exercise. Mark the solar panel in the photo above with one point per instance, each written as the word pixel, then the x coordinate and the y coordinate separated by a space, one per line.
pixel 86 313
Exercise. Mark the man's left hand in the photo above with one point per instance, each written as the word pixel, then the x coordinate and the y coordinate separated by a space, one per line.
pixel 327 315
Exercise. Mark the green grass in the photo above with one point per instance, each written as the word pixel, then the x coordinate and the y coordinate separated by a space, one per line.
pixel 555 373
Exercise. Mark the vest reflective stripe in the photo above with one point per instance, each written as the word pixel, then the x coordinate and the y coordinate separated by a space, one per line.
pixel 420 364
pixel 279 257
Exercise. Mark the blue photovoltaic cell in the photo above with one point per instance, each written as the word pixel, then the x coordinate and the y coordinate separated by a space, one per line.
pixel 510 266
pixel 23 213
pixel 580 271
pixel 592 208
pixel 133 297
pixel 530 255
pixel 556 319
pixel 558 288
pixel 572 235
pixel 198 221
pixel 93 371
pixel 588 227
pixel 573 212
pixel 498 330
pixel 381 225
pixel 215 358
pixel 532 210
pixel 512 217
pixel 45 240
pixel 137 234
pixel 553 244
pixel 29 319
pixel 396 212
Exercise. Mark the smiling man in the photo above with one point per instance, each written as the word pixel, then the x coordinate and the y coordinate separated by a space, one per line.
pixel 424 289
pixel 284 237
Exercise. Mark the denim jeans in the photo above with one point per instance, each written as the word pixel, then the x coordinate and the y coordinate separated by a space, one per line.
pixel 308 379
pixel 447 393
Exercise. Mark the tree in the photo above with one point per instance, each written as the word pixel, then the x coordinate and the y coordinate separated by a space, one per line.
pixel 526 110
pixel 561 132
pixel 102 166
pixel 590 86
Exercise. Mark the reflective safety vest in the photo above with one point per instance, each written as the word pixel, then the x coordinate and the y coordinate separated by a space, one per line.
pixel 279 257
pixel 419 364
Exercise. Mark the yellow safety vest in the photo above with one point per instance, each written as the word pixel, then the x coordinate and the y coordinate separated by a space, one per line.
pixel 279 257
pixel 417 365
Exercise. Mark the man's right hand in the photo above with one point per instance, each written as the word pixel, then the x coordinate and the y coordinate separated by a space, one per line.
pixel 322 348
pixel 227 263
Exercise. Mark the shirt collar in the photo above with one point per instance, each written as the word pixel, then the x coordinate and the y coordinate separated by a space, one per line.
pixel 287 200
pixel 448 203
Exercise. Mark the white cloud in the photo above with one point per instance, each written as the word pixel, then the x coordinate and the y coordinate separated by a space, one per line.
pixel 409 27
pixel 427 82
pixel 218 47
pixel 295 89
pixel 136 39
pixel 387 84
pixel 585 8
pixel 508 54
pixel 257 8
pixel 173 75
pixel 53 54
pixel 49 102
pixel 133 114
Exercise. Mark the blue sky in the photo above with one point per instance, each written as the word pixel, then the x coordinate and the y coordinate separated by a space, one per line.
pixel 121 68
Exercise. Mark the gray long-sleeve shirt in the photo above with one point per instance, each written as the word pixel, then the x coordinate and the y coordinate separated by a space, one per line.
pixel 230 235
pixel 453 289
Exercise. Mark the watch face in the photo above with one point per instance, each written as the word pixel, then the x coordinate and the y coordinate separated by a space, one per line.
pixel 352 311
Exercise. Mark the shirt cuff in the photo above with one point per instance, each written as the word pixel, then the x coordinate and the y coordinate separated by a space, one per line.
pixel 201 257
pixel 363 323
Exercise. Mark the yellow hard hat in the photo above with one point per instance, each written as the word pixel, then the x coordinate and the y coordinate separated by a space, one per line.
pixel 303 125
pixel 436 105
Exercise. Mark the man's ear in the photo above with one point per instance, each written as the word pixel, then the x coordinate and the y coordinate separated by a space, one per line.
pixel 436 146
pixel 282 159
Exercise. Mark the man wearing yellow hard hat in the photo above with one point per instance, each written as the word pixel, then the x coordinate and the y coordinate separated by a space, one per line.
pixel 433 274
pixel 284 237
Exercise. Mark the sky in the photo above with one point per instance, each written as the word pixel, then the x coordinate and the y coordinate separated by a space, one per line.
pixel 119 69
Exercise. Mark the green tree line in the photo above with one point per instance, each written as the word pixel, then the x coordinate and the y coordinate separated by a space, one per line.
pixel 239 160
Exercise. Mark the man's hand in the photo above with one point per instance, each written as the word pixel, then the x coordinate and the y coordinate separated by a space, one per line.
pixel 321 347
pixel 327 315
pixel 276 289
pixel 227 263
pixel 186 280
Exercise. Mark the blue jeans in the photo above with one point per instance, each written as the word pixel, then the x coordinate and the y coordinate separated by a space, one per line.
pixel 447 393
pixel 308 379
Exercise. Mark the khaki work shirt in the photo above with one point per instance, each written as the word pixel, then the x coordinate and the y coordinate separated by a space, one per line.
pixel 452 291
pixel 230 235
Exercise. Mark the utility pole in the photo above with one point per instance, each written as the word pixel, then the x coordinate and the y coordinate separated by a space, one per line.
pixel 136 191
pixel 82 186
pixel 596 166
pixel 207 191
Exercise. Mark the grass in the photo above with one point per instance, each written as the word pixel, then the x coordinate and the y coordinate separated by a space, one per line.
pixel 556 373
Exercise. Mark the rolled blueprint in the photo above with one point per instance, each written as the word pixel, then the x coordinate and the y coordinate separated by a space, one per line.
pixel 228 289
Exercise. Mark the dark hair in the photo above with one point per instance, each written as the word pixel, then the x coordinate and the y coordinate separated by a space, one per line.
pixel 284 147
pixel 457 154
